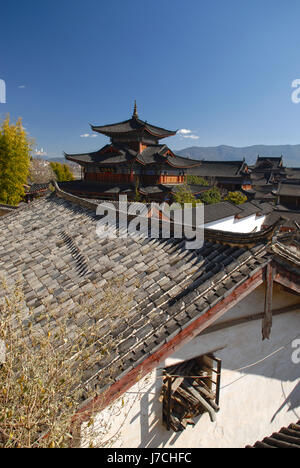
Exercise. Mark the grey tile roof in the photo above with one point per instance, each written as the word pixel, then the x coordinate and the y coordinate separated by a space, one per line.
pixel 292 173
pixel 219 169
pixel 215 212
pixel 119 153
pixel 93 188
pixel 35 188
pixel 289 189
pixel 220 211
pixel 271 162
pixel 131 126
pixel 250 208
pixel 180 161
pixel 52 247
pixel 223 210
pixel 260 180
pixel 287 437
pixel 161 153
pixel 264 192
pixel 96 187
pixel 289 218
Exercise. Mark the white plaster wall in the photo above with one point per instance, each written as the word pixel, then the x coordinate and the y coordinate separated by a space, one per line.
pixel 255 401
pixel 231 224
pixel 254 303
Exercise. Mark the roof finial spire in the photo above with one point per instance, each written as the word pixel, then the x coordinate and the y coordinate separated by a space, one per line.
pixel 135 114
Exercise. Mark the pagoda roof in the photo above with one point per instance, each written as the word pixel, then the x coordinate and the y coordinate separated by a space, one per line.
pixel 180 161
pixel 133 126
pixel 161 153
pixel 120 153
pixel 109 154
pixel 268 162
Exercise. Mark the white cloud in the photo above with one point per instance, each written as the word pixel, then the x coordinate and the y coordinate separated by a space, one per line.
pixel 22 87
pixel 193 137
pixel 185 133
pixel 88 135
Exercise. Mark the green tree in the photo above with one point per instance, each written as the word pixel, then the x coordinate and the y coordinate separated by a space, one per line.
pixel 196 180
pixel 211 196
pixel 15 150
pixel 62 172
pixel 236 197
pixel 185 195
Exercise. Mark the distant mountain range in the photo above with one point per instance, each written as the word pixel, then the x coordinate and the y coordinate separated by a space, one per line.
pixel 59 159
pixel 291 153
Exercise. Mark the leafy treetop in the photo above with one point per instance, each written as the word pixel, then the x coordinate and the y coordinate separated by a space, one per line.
pixel 15 151
pixel 185 195
pixel 211 196
pixel 236 197
pixel 196 180
pixel 62 172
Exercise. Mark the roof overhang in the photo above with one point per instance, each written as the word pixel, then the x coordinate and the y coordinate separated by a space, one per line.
pixel 174 343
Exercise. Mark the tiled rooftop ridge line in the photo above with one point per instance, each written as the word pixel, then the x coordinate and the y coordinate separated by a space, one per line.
pixel 83 202
pixel 286 253
pixel 8 207
pixel 229 238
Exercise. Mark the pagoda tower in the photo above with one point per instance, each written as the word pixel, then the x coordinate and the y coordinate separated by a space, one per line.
pixel 134 160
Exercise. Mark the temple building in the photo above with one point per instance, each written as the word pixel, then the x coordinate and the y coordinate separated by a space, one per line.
pixel 134 163
pixel 271 169
pixel 229 175
pixel 289 194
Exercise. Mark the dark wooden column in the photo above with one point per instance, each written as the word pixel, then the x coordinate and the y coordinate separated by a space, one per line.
pixel 268 318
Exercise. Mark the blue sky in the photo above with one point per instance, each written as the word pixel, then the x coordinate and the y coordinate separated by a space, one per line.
pixel 220 69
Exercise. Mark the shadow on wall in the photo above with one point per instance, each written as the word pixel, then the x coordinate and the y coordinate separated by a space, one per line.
pixel 242 350
pixel 153 432
pixel 277 367
pixel 292 400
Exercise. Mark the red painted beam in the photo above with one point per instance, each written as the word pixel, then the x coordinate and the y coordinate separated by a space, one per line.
pixel 183 337
pixel 288 280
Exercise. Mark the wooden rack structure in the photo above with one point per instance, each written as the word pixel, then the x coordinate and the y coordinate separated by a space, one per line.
pixel 189 390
